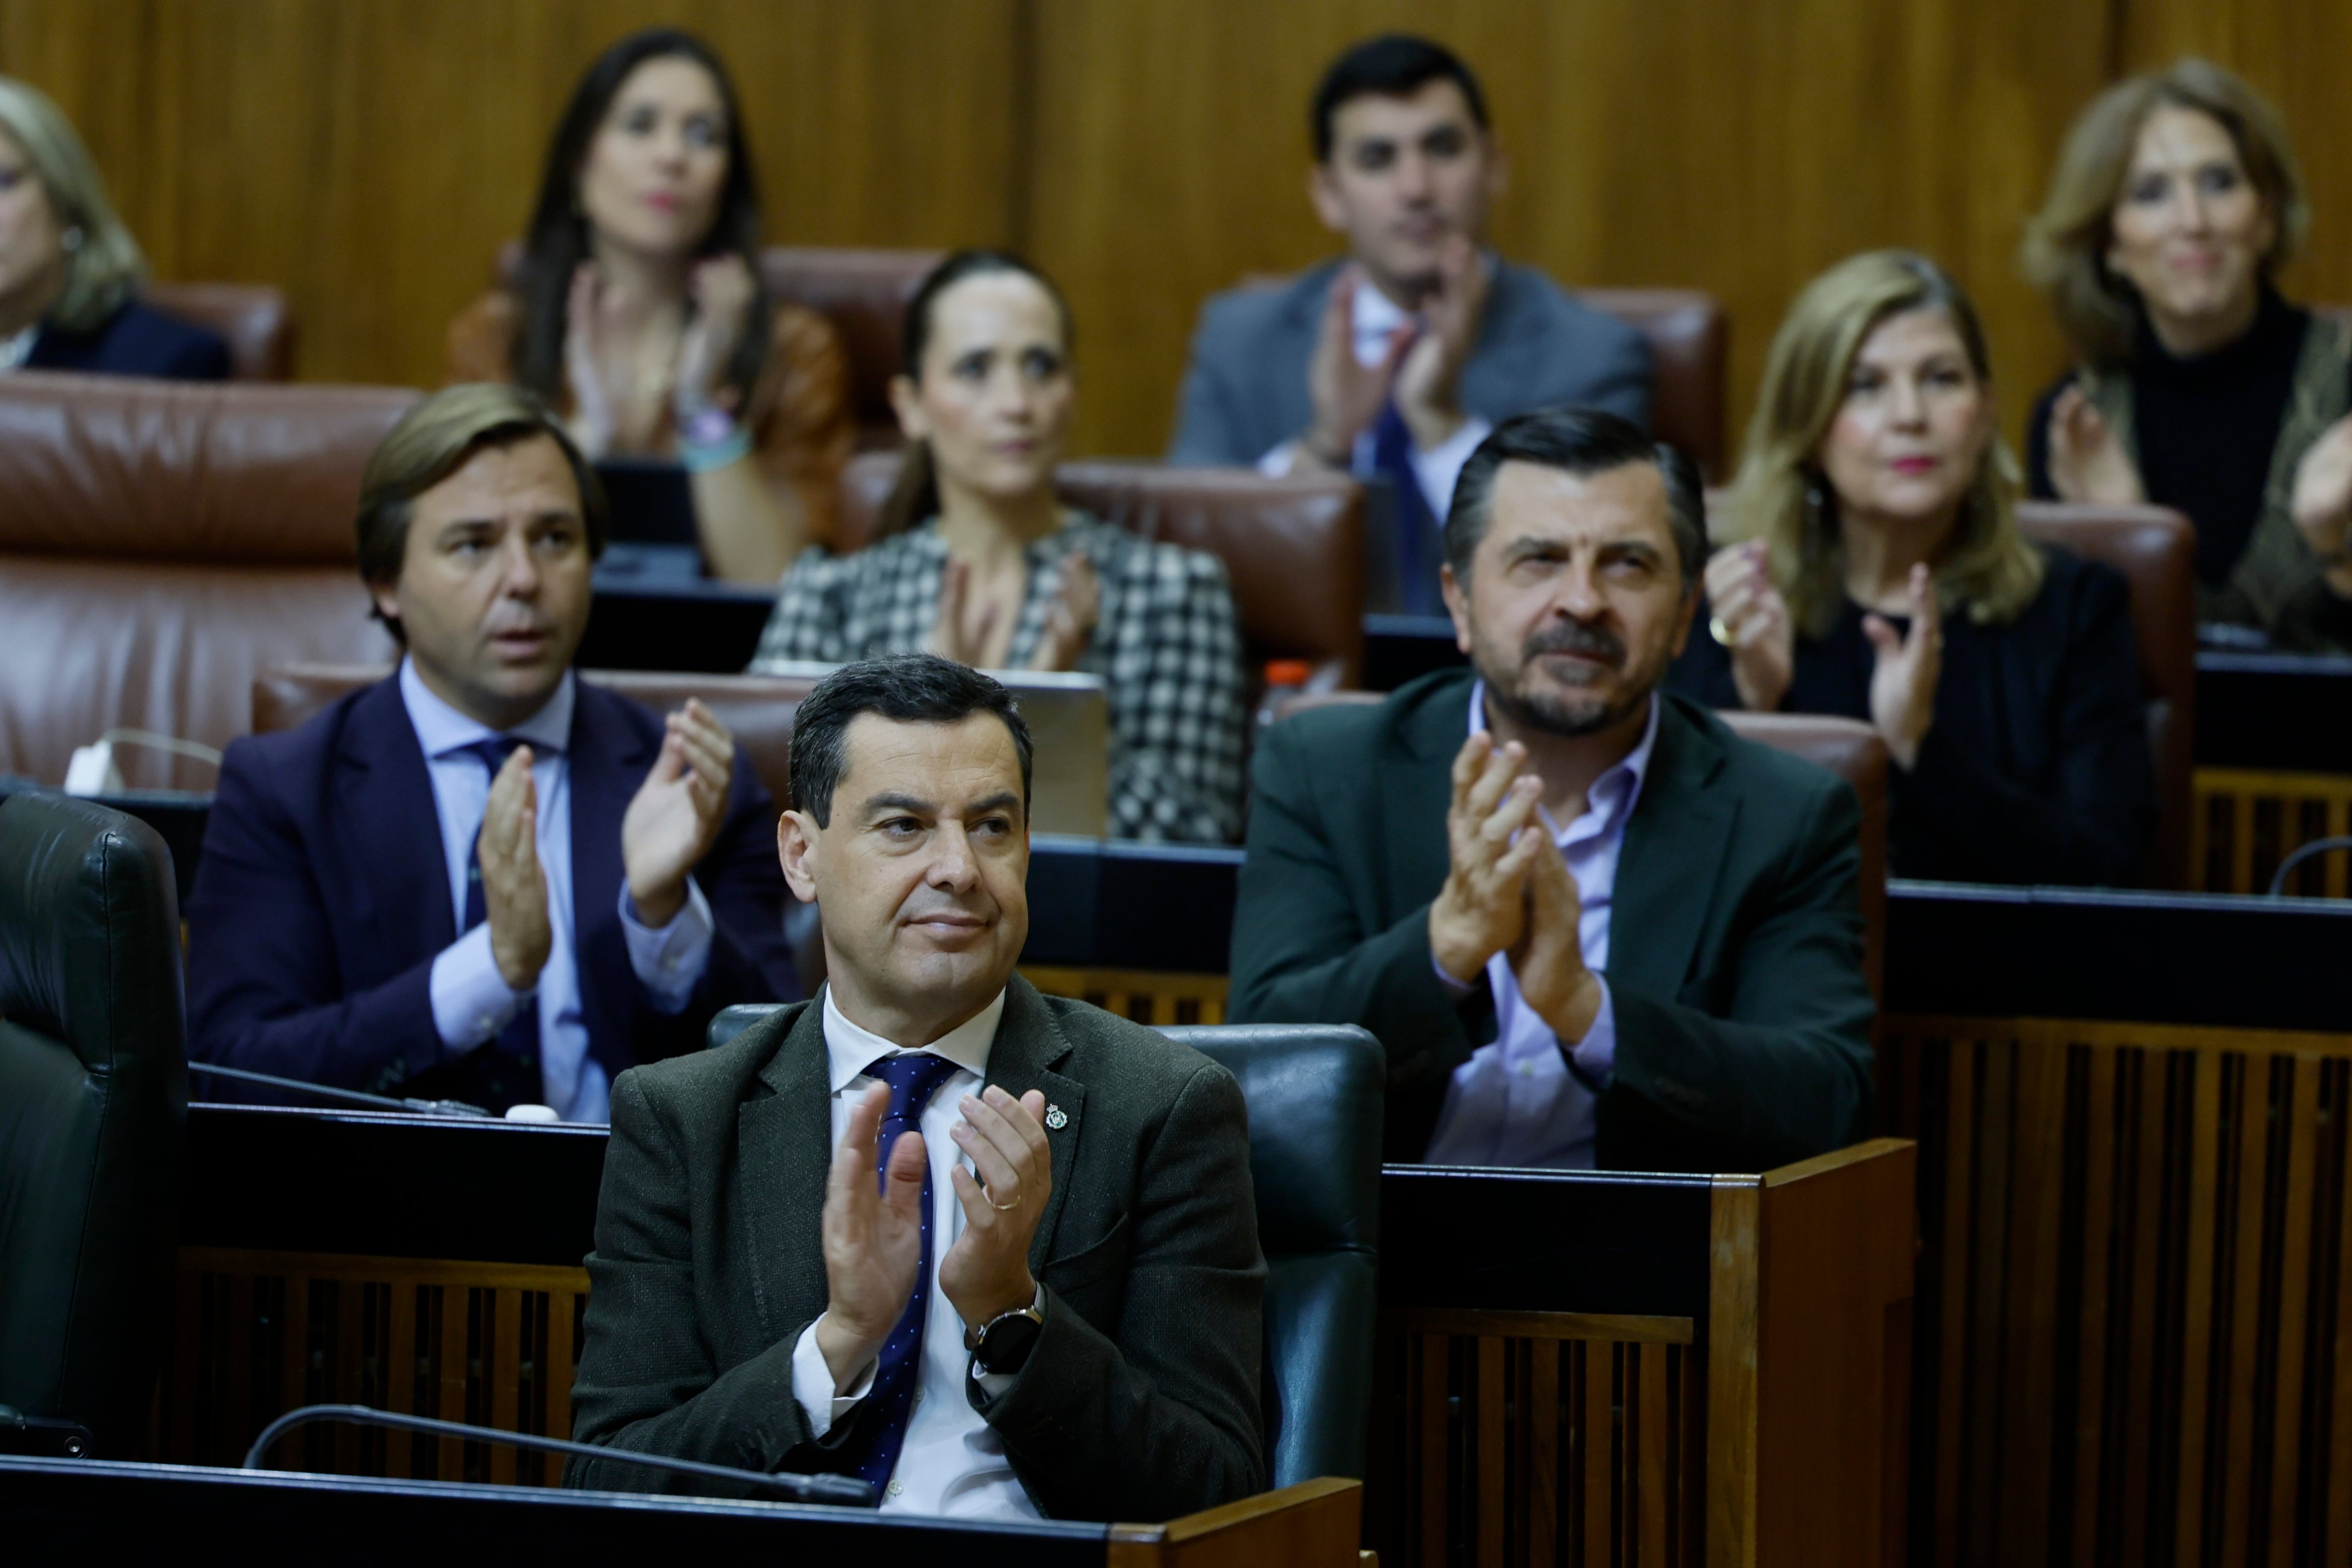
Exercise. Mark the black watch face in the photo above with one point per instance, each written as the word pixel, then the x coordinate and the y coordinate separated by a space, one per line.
pixel 1006 1345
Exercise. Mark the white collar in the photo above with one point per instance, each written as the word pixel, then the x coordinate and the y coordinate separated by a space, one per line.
pixel 850 1047
pixel 16 350
pixel 1613 794
pixel 441 729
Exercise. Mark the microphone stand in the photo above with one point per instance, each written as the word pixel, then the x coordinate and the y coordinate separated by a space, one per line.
pixel 347 1095
pixel 846 1491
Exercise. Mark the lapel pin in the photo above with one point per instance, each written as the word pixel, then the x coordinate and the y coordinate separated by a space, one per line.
pixel 1057 1118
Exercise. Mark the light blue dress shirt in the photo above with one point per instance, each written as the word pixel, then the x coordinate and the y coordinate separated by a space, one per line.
pixel 1515 1101
pixel 471 1000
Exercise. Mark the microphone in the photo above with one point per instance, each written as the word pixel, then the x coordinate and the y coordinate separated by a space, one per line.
pixel 843 1491
pixel 347 1095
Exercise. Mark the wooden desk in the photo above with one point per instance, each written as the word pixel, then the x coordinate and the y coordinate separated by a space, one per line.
pixel 60 1510
pixel 1670 1366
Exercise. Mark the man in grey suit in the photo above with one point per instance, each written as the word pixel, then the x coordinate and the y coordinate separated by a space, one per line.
pixel 1051 1306
pixel 1397 360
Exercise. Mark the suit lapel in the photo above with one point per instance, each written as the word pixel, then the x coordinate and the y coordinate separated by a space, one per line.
pixel 607 760
pixel 1029 1045
pixel 390 830
pixel 785 1140
pixel 1416 791
pixel 1510 341
pixel 1673 853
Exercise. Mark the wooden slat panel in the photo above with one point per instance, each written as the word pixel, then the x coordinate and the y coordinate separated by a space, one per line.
pixel 1602 1497
pixel 503 1356
pixel 400 1375
pixel 1943 1446
pixel 1543 1325
pixel 1543 1453
pixel 560 1354
pixel 2286 1303
pixel 240 1423
pixel 1432 1446
pixel 1654 1483
pixel 2099 1250
pixel 1487 1459
pixel 455 1314
pixel 343 1296
pixel 2336 1476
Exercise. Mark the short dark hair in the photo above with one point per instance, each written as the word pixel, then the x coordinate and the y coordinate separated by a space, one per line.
pixel 1575 441
pixel 908 689
pixel 1393 65
pixel 432 441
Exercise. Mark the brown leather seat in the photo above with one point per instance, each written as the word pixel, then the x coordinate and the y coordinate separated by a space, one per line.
pixel 1846 747
pixel 1690 345
pixel 2156 550
pixel 863 292
pixel 254 320
pixel 1293 547
pixel 759 709
pixel 162 543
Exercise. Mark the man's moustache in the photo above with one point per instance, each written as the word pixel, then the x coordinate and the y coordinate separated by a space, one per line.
pixel 1586 642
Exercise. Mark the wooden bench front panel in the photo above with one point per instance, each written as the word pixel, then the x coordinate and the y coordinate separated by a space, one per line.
pixel 1535 1440
pixel 2133 1342
pixel 255 1334
pixel 2246 824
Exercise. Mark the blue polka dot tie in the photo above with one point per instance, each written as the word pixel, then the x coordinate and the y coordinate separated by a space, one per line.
pixel 913 1076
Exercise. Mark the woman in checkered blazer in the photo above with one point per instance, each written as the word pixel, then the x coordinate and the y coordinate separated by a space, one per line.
pixel 977 560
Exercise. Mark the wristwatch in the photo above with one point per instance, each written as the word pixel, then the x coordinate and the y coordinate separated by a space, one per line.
pixel 1003 1345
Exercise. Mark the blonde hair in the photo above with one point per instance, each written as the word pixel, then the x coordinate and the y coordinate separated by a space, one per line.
pixel 1781 495
pixel 2064 253
pixel 105 268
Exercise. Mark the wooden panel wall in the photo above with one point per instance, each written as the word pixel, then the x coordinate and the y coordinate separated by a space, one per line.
pixel 369 154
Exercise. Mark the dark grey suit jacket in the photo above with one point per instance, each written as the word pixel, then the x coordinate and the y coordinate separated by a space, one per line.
pixel 1140 1400
pixel 1246 389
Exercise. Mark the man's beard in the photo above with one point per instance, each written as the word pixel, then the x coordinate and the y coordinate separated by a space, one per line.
pixel 1556 712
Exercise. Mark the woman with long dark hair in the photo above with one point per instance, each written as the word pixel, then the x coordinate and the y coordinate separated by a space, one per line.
pixel 979 561
pixel 637 311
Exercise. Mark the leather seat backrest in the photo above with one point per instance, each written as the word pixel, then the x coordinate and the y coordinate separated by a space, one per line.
pixel 253 319
pixel 1689 335
pixel 865 293
pixel 1315 1097
pixel 758 709
pixel 162 543
pixel 1846 747
pixel 1315 1093
pixel 2156 551
pixel 1293 548
pixel 1851 749
pixel 93 1101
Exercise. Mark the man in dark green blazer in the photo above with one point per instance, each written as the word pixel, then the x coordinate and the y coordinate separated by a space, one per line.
pixel 1590 925
pixel 994 1252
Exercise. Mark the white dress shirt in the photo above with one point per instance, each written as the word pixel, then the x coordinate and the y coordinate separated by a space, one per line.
pixel 1375 318
pixel 1515 1101
pixel 471 1000
pixel 952 1461
pixel 16 350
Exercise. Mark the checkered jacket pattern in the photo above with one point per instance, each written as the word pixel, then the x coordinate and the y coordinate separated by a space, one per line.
pixel 1165 643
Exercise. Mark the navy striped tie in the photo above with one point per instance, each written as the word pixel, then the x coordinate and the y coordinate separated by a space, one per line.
pixel 913 1076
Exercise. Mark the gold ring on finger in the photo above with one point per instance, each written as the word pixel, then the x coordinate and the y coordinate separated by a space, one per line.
pixel 1004 1208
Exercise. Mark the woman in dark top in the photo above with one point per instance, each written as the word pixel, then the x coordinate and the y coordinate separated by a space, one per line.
pixel 2174 204
pixel 69 271
pixel 1878 572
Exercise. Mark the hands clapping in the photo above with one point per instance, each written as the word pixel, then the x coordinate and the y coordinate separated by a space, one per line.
pixel 1903 684
pixel 2087 463
pixel 678 811
pixel 514 890
pixel 1507 889
pixel 1742 599
pixel 873 1242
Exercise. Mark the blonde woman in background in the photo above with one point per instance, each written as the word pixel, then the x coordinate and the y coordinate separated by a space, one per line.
pixel 2175 202
pixel 69 271
pixel 1878 572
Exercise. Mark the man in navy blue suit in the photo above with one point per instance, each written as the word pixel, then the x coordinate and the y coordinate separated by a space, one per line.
pixel 482 878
